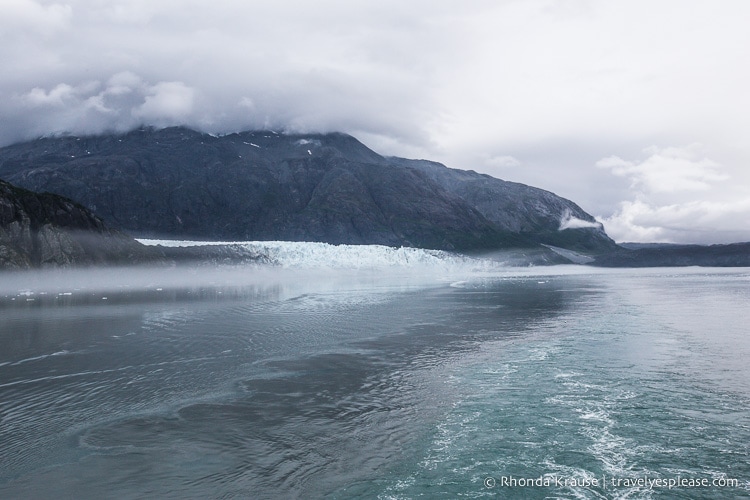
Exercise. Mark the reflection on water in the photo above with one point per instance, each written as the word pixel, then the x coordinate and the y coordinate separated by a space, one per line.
pixel 321 384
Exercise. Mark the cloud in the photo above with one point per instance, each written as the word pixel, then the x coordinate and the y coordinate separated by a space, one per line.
pixel 568 221
pixel 460 83
pixel 166 103
pixel 503 161
pixel 689 222
pixel 668 170
pixel 664 208
pixel 30 17
pixel 55 97
pixel 123 102
pixel 124 83
pixel 332 65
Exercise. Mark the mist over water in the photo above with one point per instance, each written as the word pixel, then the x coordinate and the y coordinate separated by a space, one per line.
pixel 372 383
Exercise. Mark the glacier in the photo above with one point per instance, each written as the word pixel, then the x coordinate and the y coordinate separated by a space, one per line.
pixel 283 268
pixel 314 255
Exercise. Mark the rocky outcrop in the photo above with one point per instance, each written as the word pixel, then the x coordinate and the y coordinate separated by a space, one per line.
pixel 265 186
pixel 46 230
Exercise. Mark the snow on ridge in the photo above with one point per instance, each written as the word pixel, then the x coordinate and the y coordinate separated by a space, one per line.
pixel 293 254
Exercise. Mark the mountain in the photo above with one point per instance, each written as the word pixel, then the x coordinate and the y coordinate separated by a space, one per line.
pixel 47 230
pixel 180 183
pixel 672 255
pixel 518 208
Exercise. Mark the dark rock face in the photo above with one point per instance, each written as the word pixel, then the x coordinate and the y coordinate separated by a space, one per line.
pixel 265 186
pixel 46 230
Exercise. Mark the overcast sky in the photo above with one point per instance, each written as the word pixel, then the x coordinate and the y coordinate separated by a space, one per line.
pixel 637 110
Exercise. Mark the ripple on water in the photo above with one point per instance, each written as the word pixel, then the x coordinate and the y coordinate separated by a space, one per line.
pixel 375 395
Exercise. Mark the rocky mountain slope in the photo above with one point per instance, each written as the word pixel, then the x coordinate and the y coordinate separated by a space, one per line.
pixel 330 188
pixel 47 230
pixel 535 213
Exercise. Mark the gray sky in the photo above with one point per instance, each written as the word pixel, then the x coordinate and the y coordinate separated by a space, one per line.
pixel 637 110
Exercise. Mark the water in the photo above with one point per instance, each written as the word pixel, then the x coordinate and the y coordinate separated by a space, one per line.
pixel 391 385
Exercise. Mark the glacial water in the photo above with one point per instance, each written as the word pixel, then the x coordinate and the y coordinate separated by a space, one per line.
pixel 561 382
